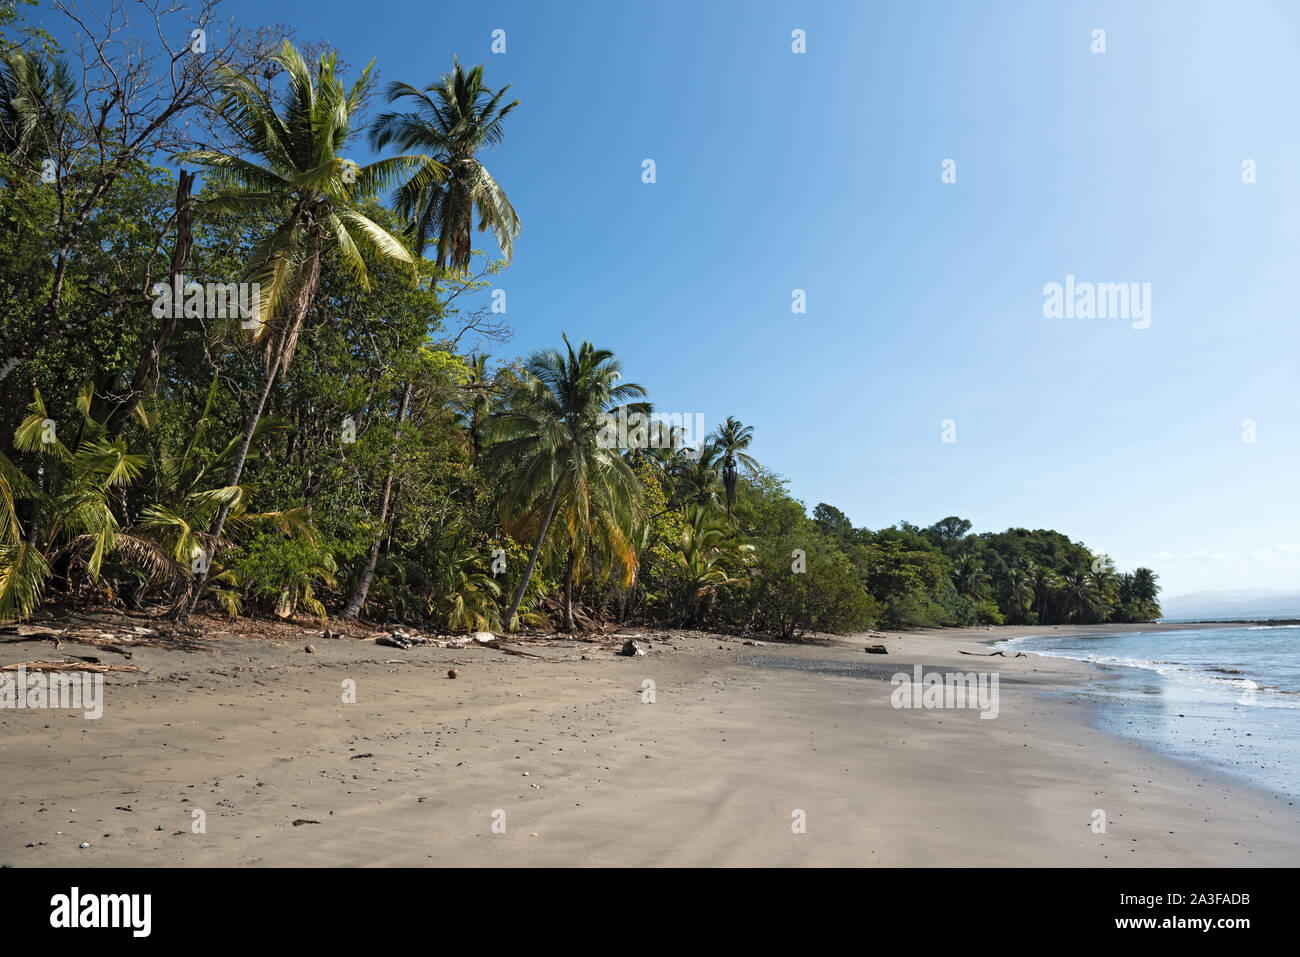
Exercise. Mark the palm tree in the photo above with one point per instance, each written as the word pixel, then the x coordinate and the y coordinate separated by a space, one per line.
pixel 184 501
pixel 969 577
pixel 696 474
pixel 464 595
pixel 698 565
pixel 35 95
pixel 455 117
pixel 548 446
pixel 1080 592
pixel 1042 579
pixel 1145 588
pixel 731 439
pixel 315 197
pixel 74 513
pixel 1142 591
pixel 601 527
pixel 1103 581
pixel 1019 590
pixel 473 406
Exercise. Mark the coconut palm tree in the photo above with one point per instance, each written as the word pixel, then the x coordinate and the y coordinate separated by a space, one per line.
pixel 696 476
pixel 1019 590
pixel 296 177
pixel 1082 599
pixel 1145 588
pixel 970 577
pixel 454 119
pixel 731 440
pixel 473 405
pixel 549 450
pixel 1042 579
pixel 35 96
pixel 1139 590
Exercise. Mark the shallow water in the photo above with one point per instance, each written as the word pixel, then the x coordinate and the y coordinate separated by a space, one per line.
pixel 1227 698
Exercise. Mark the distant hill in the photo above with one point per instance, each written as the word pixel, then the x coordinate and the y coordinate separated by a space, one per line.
pixel 1234 603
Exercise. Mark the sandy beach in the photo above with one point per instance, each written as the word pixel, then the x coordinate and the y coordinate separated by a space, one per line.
pixel 562 760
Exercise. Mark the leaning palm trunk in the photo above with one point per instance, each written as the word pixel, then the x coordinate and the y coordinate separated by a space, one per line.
pixel 568 593
pixel 277 358
pixel 627 597
pixel 358 599
pixel 532 559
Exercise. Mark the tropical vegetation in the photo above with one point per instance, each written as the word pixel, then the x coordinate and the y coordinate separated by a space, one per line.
pixel 353 448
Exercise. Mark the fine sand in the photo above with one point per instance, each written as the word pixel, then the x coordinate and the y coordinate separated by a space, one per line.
pixel 581 770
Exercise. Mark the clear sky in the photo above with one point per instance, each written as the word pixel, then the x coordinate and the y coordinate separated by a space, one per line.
pixel 821 171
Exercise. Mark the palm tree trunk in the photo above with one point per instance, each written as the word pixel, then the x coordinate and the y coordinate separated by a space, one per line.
pixel 358 599
pixel 284 337
pixel 568 593
pixel 532 559
pixel 627 597
pixel 237 469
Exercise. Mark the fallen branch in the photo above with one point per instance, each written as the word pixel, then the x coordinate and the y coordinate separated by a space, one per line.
pixel 509 651
pixel 991 654
pixel 68 666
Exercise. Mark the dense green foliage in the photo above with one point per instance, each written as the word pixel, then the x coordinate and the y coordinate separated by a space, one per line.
pixel 353 450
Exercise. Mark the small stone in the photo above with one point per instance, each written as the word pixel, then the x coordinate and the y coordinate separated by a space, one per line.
pixel 452 673
pixel 84 844
pixel 310 650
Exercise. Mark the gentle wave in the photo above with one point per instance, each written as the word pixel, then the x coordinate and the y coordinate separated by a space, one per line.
pixel 1222 697
pixel 1226 677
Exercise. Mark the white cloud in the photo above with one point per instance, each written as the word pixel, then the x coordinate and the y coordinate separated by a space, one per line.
pixel 1270 566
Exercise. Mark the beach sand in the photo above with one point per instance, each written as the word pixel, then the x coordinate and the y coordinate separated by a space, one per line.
pixel 580 770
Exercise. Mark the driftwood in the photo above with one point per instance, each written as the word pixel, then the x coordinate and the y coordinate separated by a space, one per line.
pixel 113 644
pixel 68 666
pixel 509 651
pixel 992 654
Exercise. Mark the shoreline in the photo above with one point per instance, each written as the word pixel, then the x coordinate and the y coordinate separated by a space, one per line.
pixel 255 735
pixel 1135 699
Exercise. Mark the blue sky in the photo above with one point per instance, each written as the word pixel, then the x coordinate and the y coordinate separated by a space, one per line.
pixel 821 171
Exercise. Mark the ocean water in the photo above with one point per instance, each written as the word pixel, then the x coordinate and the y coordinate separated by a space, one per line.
pixel 1227 698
